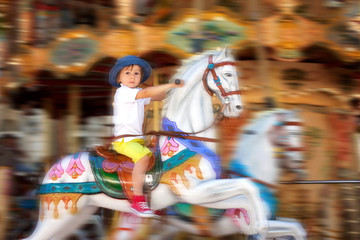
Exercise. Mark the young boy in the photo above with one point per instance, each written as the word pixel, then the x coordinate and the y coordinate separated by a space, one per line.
pixel 129 103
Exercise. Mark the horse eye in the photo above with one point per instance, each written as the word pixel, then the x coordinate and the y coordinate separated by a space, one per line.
pixel 228 74
pixel 249 132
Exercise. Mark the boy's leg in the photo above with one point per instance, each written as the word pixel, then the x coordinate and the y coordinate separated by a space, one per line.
pixel 139 204
pixel 141 156
pixel 138 175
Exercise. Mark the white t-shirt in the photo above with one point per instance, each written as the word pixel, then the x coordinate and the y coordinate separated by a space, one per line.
pixel 128 112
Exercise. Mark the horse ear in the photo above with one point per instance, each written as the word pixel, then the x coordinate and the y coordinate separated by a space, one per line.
pixel 225 52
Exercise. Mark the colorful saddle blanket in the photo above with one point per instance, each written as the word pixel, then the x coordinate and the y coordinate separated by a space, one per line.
pixel 112 173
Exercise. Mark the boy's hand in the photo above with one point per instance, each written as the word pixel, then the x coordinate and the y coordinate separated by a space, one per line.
pixel 157 93
pixel 179 83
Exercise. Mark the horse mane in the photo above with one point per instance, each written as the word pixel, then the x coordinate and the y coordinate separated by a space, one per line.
pixel 261 115
pixel 186 66
pixel 258 119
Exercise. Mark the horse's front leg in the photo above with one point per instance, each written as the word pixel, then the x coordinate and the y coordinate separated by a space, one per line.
pixel 226 194
pixel 282 227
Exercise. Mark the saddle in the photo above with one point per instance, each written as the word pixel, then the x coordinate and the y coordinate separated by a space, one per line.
pixel 109 166
pixel 114 160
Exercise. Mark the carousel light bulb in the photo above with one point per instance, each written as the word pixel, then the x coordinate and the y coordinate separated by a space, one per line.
pixel 14 61
pixel 350 49
pixel 81 35
pixel 219 18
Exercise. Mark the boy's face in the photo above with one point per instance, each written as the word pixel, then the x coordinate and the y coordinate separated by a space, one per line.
pixel 130 76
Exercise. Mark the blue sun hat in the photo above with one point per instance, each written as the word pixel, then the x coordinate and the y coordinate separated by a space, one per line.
pixel 127 61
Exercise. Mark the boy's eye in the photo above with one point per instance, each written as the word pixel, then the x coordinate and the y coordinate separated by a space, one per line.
pixel 137 73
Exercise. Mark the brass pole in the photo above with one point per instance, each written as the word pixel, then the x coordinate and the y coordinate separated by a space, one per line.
pixel 156 104
pixel 263 64
pixel 73 119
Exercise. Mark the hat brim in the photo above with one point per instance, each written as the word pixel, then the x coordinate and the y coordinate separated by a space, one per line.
pixel 146 68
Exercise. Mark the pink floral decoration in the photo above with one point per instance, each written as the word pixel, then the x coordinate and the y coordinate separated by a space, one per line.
pixel 56 171
pixel 75 167
pixel 169 147
pixel 236 214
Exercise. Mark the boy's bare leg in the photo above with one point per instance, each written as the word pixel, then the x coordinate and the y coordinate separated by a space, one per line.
pixel 138 175
pixel 139 205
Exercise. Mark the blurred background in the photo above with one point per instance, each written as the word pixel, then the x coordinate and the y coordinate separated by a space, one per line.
pixel 55 98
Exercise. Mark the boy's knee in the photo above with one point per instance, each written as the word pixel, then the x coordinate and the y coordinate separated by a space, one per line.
pixel 145 158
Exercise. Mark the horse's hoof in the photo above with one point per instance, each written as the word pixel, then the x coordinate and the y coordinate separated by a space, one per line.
pixel 254 237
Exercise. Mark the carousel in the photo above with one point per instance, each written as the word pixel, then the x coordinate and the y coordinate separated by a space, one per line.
pixel 276 151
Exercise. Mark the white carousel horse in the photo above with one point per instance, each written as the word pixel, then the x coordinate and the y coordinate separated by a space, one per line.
pixel 255 158
pixel 69 193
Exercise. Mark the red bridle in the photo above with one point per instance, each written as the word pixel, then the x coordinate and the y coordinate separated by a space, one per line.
pixel 293 149
pixel 211 68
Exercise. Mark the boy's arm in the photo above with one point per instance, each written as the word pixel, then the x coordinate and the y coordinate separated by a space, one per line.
pixel 157 93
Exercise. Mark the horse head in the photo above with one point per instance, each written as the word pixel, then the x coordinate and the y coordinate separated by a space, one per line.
pixel 221 78
pixel 213 72
pixel 271 141
pixel 287 138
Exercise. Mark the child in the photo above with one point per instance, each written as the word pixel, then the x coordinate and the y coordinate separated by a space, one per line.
pixel 129 103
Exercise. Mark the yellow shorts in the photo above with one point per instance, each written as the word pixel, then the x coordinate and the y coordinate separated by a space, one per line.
pixel 133 149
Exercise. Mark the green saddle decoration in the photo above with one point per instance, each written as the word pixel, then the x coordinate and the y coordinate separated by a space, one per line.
pixel 185 212
pixel 185 209
pixel 110 183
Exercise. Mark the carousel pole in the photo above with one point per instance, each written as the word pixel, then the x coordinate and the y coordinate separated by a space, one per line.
pixel 263 66
pixel 124 9
pixel 156 104
pixel 73 118
pixel 198 6
pixel 197 37
pixel 5 187
pixel 49 136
